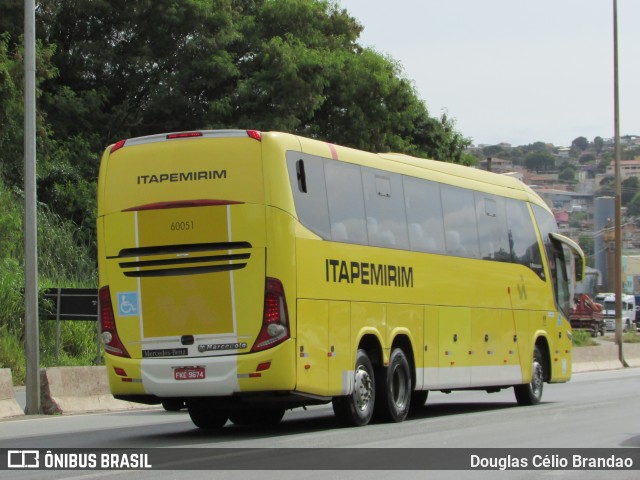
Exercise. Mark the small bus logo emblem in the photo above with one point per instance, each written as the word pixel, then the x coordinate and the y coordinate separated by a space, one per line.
pixel 23 459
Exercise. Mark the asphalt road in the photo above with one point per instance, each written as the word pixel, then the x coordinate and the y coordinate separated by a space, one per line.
pixel 594 410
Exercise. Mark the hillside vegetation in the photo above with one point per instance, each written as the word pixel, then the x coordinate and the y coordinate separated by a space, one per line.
pixel 108 70
pixel 63 261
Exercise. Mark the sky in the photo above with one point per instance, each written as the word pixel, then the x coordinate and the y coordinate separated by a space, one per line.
pixel 515 71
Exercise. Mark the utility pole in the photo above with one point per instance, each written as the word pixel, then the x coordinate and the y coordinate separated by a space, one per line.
pixel 32 331
pixel 618 196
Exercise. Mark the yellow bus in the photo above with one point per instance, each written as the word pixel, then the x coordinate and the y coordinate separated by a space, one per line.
pixel 244 273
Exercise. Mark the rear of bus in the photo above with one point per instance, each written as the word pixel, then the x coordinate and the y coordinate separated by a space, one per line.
pixel 188 310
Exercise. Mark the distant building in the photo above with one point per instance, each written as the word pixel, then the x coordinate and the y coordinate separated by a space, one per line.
pixel 498 165
pixel 631 273
pixel 630 140
pixel 562 219
pixel 515 174
pixel 547 179
pixel 565 200
pixel 628 168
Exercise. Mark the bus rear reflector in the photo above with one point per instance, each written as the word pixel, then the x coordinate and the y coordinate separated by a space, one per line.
pixel 275 321
pixel 110 338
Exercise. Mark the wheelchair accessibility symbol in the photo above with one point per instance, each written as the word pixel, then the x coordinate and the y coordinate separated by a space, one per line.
pixel 128 304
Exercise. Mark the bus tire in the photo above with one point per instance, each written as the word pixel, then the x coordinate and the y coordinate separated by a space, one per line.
pixel 393 392
pixel 356 410
pixel 206 416
pixel 418 399
pixel 257 416
pixel 173 404
pixel 531 393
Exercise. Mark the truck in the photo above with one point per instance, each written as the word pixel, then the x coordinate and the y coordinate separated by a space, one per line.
pixel 628 313
pixel 587 315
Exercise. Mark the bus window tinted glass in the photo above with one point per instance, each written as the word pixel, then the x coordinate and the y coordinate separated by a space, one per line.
pixel 311 205
pixel 546 224
pixel 461 231
pixel 384 204
pixel 492 227
pixel 346 204
pixel 522 236
pixel 424 215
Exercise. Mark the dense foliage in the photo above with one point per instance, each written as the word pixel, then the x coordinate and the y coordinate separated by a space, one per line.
pixel 113 69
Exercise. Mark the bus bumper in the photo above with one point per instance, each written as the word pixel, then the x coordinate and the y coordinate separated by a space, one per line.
pixel 219 376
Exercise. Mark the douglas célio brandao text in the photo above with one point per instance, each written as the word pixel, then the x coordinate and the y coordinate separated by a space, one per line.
pixel 550 462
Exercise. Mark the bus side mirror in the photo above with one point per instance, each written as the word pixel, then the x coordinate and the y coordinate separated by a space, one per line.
pixel 574 248
pixel 579 269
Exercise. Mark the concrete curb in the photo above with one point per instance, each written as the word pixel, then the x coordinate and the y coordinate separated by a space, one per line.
pixel 604 357
pixel 8 405
pixel 78 390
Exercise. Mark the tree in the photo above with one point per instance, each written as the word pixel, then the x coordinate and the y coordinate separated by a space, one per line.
pixel 579 145
pixel 492 151
pixel 12 110
pixel 633 208
pixel 539 162
pixel 607 187
pixel 602 165
pixel 587 244
pixel 123 68
pixel 568 174
pixel 309 76
pixel 587 158
pixel 135 68
pixel 630 187
pixel 132 68
pixel 598 144
pixel 537 147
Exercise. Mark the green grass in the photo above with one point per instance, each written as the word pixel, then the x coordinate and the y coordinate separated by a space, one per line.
pixel 12 355
pixel 582 338
pixel 63 261
pixel 627 337
pixel 630 337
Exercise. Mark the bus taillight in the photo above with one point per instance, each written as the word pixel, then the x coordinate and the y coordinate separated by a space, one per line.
pixel 118 145
pixel 110 339
pixel 275 322
pixel 255 134
pixel 174 136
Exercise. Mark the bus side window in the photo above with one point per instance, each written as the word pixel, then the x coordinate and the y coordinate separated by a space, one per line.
pixel 384 205
pixel 345 200
pixel 460 222
pixel 492 227
pixel 306 177
pixel 424 215
pixel 522 236
pixel 546 224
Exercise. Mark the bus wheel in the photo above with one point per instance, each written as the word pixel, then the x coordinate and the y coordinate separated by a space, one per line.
pixel 418 399
pixel 206 416
pixel 258 416
pixel 531 393
pixel 357 409
pixel 393 395
pixel 172 405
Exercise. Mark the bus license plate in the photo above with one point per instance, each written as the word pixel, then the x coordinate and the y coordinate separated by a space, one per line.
pixel 189 373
